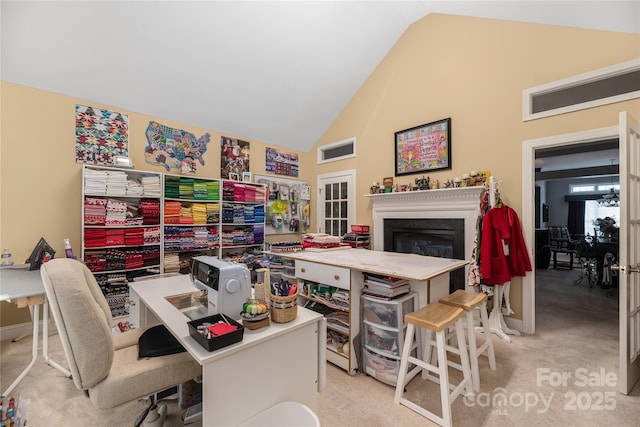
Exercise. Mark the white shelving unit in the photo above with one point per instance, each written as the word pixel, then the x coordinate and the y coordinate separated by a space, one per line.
pixel 191 220
pixel 242 220
pixel 318 287
pixel 121 230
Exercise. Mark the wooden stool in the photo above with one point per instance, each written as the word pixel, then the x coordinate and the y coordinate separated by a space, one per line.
pixel 469 301
pixel 435 317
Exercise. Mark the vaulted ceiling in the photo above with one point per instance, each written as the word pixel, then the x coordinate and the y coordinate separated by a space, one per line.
pixel 274 71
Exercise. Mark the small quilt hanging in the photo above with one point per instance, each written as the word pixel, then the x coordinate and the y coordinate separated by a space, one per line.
pixel 100 135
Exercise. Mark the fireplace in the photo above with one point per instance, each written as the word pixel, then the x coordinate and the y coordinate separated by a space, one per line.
pixel 438 237
pixel 438 222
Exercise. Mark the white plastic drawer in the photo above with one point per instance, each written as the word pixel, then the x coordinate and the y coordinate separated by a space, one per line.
pixel 380 367
pixel 385 312
pixel 385 341
pixel 325 274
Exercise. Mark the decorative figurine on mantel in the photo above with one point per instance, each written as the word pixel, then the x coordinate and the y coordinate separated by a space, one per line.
pixel 374 188
pixel 423 183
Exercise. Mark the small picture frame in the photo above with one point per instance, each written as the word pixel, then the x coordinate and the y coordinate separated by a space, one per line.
pixel 234 176
pixel 246 176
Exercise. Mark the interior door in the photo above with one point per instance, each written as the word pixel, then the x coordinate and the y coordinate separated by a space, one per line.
pixel 336 202
pixel 629 262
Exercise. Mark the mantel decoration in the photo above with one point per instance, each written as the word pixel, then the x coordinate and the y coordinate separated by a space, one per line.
pixel 423 148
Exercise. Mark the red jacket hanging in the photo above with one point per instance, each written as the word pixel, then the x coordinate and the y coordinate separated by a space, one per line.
pixel 502 225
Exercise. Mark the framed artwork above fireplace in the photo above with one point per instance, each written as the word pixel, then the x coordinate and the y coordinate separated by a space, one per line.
pixel 423 148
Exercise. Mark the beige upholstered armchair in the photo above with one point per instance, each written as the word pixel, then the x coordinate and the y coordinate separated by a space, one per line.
pixel 105 366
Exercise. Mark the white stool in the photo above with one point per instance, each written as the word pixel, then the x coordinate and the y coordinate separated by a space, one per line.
pixel 469 301
pixel 435 317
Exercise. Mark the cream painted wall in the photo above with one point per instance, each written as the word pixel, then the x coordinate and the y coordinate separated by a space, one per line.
pixel 40 182
pixel 474 71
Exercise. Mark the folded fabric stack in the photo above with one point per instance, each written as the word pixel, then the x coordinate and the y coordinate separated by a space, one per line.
pixel 134 188
pixel 133 259
pixel 239 192
pixel 213 237
pixel 172 212
pixel 151 235
pixel 95 182
pixel 186 239
pixel 115 259
pixel 213 213
pixel 115 237
pixel 116 183
pixel 171 263
pixel 186 188
pixel 199 211
pixel 238 214
pixel 186 215
pixel 94 237
pixel 151 256
pixel 258 233
pixel 200 238
pixel 134 236
pixel 320 240
pixel 227 213
pixel 150 211
pixel 213 190
pixel 171 239
pixel 151 185
pixel 228 191
pixel 116 212
pixel 172 186
pixel 249 193
pixel 249 215
pixel 95 261
pixel 261 194
pixel 95 212
pixel 200 190
pixel 258 214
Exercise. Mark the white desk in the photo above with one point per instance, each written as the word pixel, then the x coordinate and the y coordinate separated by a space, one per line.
pixel 24 287
pixel 281 362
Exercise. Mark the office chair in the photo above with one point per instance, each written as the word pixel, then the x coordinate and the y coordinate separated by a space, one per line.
pixel 106 366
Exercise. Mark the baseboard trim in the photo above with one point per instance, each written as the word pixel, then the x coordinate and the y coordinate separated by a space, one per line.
pixel 514 323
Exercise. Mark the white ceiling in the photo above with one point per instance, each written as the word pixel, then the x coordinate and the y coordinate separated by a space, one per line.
pixel 274 71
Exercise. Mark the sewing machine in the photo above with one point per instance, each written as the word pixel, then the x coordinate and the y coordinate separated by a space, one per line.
pixel 227 284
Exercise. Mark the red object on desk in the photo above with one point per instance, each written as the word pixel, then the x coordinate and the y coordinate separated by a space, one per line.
pixel 221 329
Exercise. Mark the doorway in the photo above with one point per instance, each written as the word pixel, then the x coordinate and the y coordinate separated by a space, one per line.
pixel 528 204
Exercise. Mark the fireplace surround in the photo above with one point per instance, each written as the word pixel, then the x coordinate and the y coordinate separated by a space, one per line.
pixel 435 206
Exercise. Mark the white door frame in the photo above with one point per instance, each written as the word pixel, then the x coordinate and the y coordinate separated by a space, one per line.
pixel 528 205
pixel 350 176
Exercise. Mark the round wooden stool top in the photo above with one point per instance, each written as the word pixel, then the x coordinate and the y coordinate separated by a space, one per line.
pixel 434 316
pixel 465 300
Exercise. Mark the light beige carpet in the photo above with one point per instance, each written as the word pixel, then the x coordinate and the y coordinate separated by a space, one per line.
pixel 577 333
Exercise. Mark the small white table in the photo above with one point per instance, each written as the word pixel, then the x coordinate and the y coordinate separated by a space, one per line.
pixel 24 287
pixel 278 363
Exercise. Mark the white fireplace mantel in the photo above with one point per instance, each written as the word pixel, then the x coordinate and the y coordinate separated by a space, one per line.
pixel 461 202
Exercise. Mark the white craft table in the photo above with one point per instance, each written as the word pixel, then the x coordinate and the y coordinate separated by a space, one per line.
pixel 429 276
pixel 24 287
pixel 278 363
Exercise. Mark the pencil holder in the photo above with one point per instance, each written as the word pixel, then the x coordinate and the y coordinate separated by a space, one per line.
pixel 283 309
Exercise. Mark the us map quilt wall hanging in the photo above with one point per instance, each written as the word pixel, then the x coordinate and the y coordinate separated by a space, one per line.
pixel 280 163
pixel 100 135
pixel 174 148
pixel 234 158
